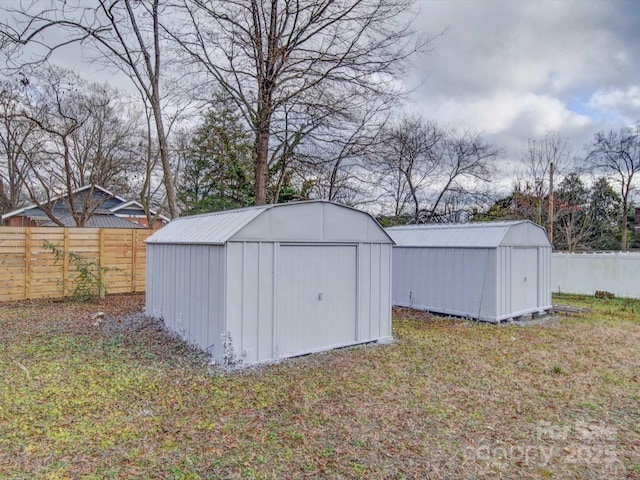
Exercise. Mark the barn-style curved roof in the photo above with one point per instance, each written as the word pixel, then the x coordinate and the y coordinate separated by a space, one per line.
pixel 471 235
pixel 312 221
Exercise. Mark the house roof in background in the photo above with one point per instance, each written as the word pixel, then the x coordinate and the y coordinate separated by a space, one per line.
pixel 133 203
pixel 95 221
pixel 61 197
pixel 113 205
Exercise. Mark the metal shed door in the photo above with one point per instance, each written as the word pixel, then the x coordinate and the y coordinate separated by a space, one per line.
pixel 316 298
pixel 524 279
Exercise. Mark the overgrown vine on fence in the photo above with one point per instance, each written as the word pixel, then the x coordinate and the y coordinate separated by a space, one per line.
pixel 88 276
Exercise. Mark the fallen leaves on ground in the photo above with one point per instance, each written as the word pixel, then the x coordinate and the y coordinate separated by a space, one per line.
pixel 116 398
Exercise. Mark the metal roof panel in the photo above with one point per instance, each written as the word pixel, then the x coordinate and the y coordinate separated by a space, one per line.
pixel 209 228
pixel 470 235
pixel 295 221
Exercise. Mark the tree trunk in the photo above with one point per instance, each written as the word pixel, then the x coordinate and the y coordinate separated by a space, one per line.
pixel 153 72
pixel 166 165
pixel 623 226
pixel 261 166
pixel 262 146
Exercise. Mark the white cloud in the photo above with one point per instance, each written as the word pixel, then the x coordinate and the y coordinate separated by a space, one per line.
pixel 516 70
pixel 616 98
pixel 503 111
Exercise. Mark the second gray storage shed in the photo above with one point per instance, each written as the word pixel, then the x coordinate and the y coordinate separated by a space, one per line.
pixel 274 281
pixel 490 271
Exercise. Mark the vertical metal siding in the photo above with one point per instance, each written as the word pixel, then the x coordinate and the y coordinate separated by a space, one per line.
pixel 151 294
pixel 384 271
pixel 251 282
pixel 214 300
pixel 545 278
pixel 365 278
pixel 503 284
pixel 250 296
pixel 403 277
pixel 442 281
pixel 373 296
pixel 272 304
pixel 447 280
pixel 524 279
pixel 182 289
pixel 316 298
pixel 235 295
pixel 374 291
pixel 477 273
pixel 264 334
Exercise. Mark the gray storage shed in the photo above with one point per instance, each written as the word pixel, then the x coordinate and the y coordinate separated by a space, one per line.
pixel 274 281
pixel 490 271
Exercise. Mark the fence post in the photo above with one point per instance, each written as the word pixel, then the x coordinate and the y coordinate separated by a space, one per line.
pixel 65 264
pixel 134 259
pixel 101 263
pixel 27 263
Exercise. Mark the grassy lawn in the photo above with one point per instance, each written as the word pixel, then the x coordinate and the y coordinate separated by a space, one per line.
pixel 448 399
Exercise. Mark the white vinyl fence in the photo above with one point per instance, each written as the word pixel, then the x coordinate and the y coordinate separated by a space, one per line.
pixel 584 273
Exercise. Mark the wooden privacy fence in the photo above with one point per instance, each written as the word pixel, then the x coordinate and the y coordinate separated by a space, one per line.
pixel 29 269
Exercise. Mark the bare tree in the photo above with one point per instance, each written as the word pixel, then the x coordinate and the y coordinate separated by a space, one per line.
pixel 335 159
pixel 123 33
pixel 438 171
pixel 465 163
pixel 537 160
pixel 151 192
pixel 103 150
pixel 77 138
pixel 410 161
pixel 618 154
pixel 574 224
pixel 463 204
pixel 15 139
pixel 50 108
pixel 290 130
pixel 316 54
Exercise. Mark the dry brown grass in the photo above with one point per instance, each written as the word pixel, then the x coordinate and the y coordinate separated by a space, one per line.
pixel 448 399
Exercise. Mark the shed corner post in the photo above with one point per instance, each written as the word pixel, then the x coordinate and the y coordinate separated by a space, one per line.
pixel 274 304
pixel 390 294
pixel 359 294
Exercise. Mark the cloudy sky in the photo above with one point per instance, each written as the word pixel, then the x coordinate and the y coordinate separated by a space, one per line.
pixel 517 69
